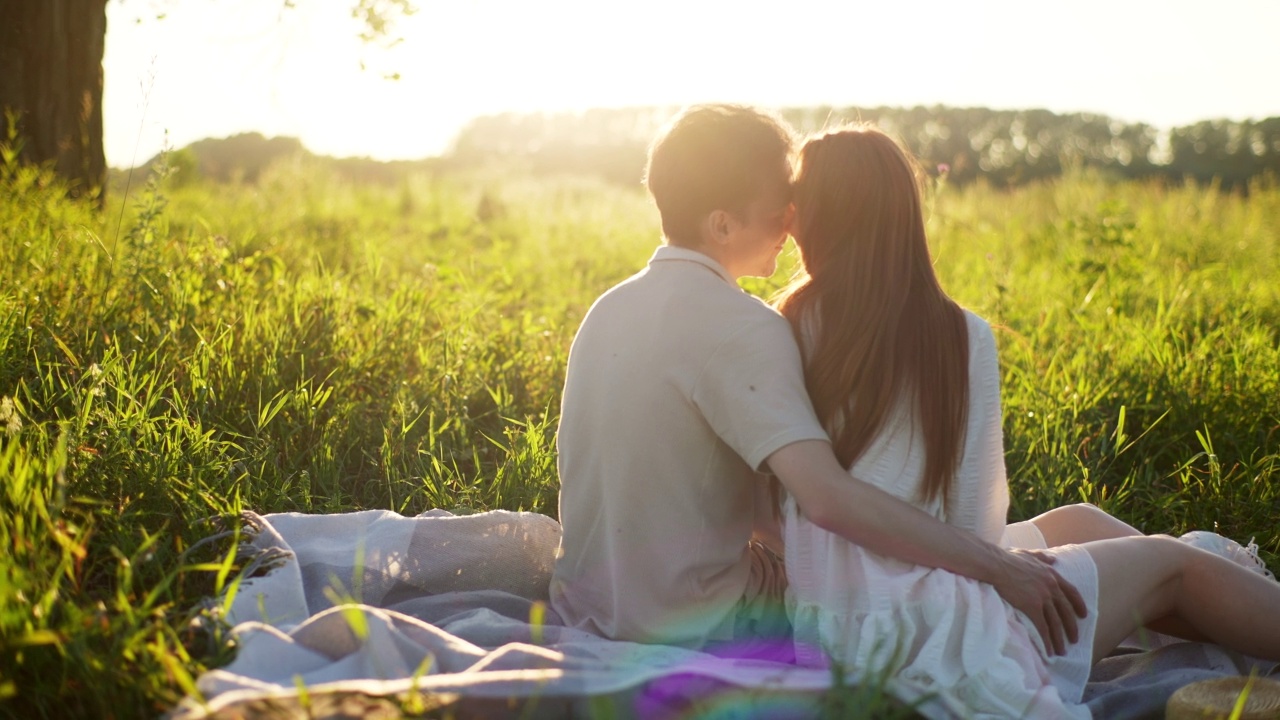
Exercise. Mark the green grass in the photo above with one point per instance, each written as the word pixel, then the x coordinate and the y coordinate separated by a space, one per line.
pixel 309 345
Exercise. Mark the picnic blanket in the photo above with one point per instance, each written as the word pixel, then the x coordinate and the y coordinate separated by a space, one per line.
pixel 338 615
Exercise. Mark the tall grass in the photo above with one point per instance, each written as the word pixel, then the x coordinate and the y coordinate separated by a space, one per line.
pixel 308 345
pixel 1140 344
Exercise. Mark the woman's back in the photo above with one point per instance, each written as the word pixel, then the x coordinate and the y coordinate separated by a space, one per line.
pixel 977 498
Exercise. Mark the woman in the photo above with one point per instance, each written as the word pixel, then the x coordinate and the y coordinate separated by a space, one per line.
pixel 907 385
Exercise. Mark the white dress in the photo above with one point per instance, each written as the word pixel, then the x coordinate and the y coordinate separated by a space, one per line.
pixel 932 629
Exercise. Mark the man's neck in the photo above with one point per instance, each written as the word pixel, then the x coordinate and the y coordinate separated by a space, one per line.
pixel 715 253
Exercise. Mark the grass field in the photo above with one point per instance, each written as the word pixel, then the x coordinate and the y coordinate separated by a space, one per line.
pixel 308 345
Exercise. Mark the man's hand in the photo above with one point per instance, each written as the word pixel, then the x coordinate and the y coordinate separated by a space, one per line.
pixel 1028 584
pixel 868 516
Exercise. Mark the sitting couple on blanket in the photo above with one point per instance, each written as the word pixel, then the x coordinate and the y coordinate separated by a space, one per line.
pixel 870 400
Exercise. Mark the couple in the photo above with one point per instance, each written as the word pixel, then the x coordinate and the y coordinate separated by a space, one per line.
pixel 872 400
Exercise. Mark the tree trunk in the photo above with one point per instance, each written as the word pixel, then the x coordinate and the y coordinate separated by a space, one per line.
pixel 51 76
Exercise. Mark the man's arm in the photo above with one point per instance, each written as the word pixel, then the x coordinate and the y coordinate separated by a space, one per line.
pixel 866 515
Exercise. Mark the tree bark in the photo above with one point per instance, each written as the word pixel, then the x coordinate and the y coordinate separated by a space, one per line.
pixel 51 76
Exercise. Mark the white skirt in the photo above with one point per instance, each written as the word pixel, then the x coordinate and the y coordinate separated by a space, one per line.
pixel 937 631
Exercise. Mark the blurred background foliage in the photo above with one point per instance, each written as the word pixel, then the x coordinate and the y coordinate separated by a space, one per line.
pixel 1004 148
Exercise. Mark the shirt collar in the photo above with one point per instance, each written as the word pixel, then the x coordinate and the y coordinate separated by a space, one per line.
pixel 671 253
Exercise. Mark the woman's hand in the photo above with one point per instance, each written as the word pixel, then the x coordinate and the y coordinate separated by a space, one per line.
pixel 1028 583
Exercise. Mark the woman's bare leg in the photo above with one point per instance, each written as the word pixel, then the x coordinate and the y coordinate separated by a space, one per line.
pixel 1143 578
pixel 1080 523
pixel 1084 522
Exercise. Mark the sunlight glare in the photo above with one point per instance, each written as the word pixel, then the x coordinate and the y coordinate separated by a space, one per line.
pixel 214 69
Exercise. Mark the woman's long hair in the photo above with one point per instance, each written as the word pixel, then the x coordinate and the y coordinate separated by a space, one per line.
pixel 868 310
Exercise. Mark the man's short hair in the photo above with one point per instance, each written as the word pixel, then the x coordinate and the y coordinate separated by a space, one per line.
pixel 715 157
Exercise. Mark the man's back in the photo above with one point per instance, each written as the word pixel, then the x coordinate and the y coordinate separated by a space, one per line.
pixel 679 385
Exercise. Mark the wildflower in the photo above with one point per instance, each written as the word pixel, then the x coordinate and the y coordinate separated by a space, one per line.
pixel 9 417
pixel 95 374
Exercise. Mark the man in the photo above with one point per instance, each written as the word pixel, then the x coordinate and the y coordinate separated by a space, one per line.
pixel 680 387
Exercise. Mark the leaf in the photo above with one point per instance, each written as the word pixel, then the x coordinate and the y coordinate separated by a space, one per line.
pixel 38 637
pixel 75 361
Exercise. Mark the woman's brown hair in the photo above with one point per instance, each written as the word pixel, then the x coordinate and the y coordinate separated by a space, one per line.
pixel 876 324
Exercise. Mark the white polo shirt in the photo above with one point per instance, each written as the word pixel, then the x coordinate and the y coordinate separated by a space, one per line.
pixel 679 386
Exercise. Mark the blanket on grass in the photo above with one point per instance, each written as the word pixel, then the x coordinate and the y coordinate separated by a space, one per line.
pixel 365 614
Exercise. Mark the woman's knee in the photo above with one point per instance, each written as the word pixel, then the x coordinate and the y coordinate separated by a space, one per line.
pixel 1144 564
pixel 1167 552
pixel 1161 543
pixel 1157 558
pixel 1080 523
pixel 1139 580
pixel 1087 513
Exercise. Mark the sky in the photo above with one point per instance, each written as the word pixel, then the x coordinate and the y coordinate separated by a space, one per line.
pixel 214 68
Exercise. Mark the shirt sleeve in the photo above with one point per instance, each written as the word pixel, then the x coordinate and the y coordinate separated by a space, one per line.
pixel 978 499
pixel 752 392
